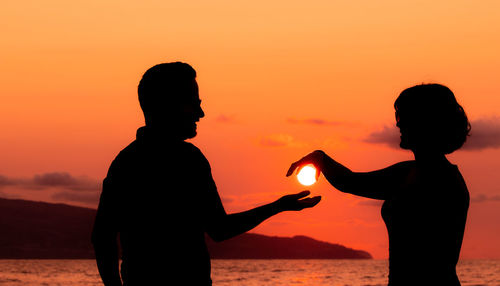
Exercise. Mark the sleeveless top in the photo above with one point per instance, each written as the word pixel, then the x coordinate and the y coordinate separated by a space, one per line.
pixel 425 221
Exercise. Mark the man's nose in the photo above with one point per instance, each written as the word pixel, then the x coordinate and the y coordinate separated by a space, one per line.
pixel 201 113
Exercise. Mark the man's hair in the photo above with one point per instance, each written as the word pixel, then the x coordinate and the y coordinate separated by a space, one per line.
pixel 163 84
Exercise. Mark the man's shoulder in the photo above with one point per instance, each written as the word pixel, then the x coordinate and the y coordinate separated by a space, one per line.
pixel 138 154
pixel 131 150
pixel 193 151
pixel 190 147
pixel 127 156
pixel 134 151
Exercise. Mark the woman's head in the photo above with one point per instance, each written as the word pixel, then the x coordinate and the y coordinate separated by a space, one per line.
pixel 430 119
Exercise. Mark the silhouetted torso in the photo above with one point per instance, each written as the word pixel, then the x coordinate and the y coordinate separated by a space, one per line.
pixel 425 220
pixel 161 196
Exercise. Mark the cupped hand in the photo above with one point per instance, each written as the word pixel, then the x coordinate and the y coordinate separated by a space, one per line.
pixel 297 202
pixel 315 158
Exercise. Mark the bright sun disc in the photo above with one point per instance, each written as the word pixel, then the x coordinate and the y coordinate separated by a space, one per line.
pixel 307 175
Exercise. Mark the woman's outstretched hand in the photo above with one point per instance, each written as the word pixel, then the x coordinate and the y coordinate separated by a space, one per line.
pixel 297 202
pixel 315 158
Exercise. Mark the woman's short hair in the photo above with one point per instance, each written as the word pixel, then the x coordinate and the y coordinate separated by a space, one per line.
pixel 434 109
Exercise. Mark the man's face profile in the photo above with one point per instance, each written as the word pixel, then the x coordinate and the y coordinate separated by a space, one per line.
pixel 190 111
pixel 178 117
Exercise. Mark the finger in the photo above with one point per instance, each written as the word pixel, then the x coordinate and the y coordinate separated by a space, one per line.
pixel 310 202
pixel 296 166
pixel 318 172
pixel 305 160
pixel 291 169
pixel 300 167
pixel 300 195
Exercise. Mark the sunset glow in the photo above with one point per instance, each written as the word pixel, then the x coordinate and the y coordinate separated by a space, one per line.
pixel 278 80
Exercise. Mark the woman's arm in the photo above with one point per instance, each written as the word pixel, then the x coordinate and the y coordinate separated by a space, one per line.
pixel 378 184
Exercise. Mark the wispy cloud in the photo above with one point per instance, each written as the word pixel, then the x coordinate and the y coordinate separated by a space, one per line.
pixel 68 187
pixel 69 196
pixel 64 180
pixel 8 195
pixel 5 181
pixel 371 203
pixel 224 118
pixel 481 198
pixel 485 134
pixel 245 201
pixel 280 140
pixel 314 121
pixel 388 135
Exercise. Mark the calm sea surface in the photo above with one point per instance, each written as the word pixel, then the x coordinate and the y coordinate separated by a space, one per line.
pixel 243 272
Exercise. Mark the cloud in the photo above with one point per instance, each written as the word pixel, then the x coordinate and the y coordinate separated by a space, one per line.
pixel 4 181
pixel 280 140
pixel 314 121
pixel 485 134
pixel 388 135
pixel 371 203
pixel 64 180
pixel 227 200
pixel 249 200
pixel 61 180
pixel 66 187
pixel 87 198
pixel 223 118
pixel 481 198
pixel 8 195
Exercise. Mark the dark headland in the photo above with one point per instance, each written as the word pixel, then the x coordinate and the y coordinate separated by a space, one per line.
pixel 39 230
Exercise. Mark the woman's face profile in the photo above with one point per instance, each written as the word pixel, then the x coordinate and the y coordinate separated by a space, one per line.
pixel 403 129
pixel 411 135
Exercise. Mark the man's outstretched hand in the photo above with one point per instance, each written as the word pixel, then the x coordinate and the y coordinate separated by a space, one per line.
pixel 297 202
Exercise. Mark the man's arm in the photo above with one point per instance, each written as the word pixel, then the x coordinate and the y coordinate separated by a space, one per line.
pixel 226 226
pixel 221 226
pixel 104 239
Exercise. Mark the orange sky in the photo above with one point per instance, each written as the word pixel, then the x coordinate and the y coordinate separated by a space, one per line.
pixel 278 79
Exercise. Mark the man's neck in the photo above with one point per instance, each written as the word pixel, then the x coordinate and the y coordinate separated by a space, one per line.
pixel 162 134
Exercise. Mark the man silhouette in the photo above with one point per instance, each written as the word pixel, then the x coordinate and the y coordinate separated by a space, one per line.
pixel 159 197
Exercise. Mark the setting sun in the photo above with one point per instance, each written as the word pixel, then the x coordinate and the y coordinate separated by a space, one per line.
pixel 307 175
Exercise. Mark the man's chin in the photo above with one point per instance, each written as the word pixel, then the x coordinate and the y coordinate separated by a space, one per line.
pixel 190 134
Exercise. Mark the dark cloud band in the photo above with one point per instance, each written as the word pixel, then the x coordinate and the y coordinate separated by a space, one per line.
pixel 70 188
pixel 485 134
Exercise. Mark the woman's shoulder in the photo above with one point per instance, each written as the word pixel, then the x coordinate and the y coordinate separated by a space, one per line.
pixel 406 164
pixel 403 168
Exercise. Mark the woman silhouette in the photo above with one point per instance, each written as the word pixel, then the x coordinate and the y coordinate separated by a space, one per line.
pixel 426 199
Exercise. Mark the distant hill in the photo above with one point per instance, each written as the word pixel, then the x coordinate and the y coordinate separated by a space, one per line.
pixel 257 246
pixel 55 231
pixel 41 230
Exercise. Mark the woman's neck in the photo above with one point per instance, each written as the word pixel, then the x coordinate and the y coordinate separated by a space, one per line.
pixel 430 158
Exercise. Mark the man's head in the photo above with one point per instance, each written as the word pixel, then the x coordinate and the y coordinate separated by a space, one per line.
pixel 168 95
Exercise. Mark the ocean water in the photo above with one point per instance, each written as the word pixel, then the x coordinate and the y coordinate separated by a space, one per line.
pixel 243 272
